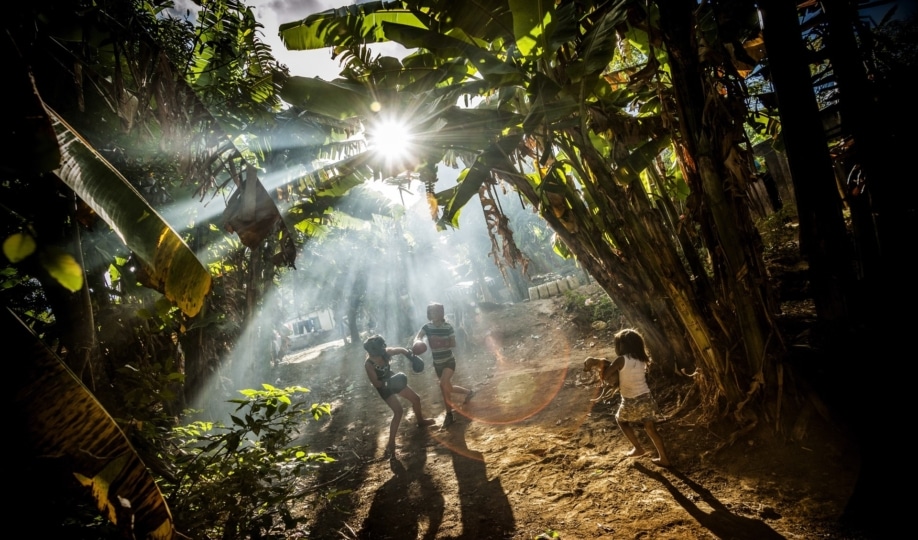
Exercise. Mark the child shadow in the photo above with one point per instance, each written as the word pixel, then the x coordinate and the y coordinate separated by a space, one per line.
pixel 409 504
pixel 485 509
pixel 721 522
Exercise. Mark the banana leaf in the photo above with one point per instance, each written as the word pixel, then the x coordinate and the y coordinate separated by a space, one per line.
pixel 336 99
pixel 494 157
pixel 530 19
pixel 62 431
pixel 449 47
pixel 172 266
pixel 362 23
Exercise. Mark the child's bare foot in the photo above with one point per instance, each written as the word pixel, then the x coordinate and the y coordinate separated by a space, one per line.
pixel 636 452
pixel 390 452
pixel 661 462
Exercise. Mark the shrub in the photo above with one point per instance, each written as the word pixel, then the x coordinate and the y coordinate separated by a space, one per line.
pixel 595 307
pixel 779 228
pixel 238 481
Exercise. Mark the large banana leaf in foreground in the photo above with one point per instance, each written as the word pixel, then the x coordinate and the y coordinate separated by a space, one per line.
pixel 173 268
pixel 62 429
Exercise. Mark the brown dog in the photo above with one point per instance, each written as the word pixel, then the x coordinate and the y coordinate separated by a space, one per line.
pixel 607 375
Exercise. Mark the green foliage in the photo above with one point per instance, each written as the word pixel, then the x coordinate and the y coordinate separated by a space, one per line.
pixel 100 185
pixel 18 246
pixel 774 228
pixel 321 29
pixel 238 481
pixel 59 265
pixel 149 389
pixel 597 307
pixel 72 437
pixel 232 70
pixel 63 267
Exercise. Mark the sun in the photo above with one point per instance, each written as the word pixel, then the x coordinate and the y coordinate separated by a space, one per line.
pixel 393 141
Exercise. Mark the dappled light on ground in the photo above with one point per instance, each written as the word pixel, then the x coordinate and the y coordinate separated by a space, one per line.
pixel 533 453
pixel 515 398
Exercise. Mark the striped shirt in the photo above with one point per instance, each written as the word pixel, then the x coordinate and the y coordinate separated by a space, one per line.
pixel 440 337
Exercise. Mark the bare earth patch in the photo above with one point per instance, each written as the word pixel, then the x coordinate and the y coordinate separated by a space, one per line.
pixel 534 455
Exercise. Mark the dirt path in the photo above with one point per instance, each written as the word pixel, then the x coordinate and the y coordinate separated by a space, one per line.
pixel 534 455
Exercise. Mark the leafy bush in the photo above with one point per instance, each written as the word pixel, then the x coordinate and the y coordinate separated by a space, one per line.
pixel 603 308
pixel 595 307
pixel 573 300
pixel 776 229
pixel 239 481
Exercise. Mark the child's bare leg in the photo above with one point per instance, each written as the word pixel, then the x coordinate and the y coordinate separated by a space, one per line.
pixel 398 412
pixel 662 459
pixel 447 388
pixel 638 450
pixel 415 400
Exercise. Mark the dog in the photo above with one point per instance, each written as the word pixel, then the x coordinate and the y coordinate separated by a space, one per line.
pixel 607 376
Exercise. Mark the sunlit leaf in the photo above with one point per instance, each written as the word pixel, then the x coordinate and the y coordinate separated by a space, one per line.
pixel 530 18
pixel 63 268
pixel 100 486
pixel 480 58
pixel 641 158
pixel 494 157
pixel 333 99
pixel 362 23
pixel 18 246
pixel 173 267
pixel 599 45
pixel 559 247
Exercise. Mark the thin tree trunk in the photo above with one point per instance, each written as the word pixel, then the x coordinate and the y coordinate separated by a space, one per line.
pixel 822 231
pixel 859 119
pixel 73 310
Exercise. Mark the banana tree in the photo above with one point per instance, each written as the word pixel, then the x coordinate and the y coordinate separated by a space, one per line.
pixel 71 440
pixel 574 127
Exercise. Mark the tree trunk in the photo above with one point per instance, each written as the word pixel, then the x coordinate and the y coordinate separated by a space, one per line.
pixel 860 120
pixel 198 348
pixel 822 231
pixel 647 284
pixel 883 220
pixel 717 163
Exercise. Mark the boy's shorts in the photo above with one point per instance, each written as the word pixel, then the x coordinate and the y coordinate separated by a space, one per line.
pixel 451 364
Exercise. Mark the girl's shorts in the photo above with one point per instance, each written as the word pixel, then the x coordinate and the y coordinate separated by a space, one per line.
pixel 384 392
pixel 640 409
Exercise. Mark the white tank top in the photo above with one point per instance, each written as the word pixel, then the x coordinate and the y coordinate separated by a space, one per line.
pixel 632 379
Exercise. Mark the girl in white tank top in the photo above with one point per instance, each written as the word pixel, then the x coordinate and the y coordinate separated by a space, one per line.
pixel 638 405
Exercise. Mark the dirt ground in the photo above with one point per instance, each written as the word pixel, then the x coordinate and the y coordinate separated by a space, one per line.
pixel 535 456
